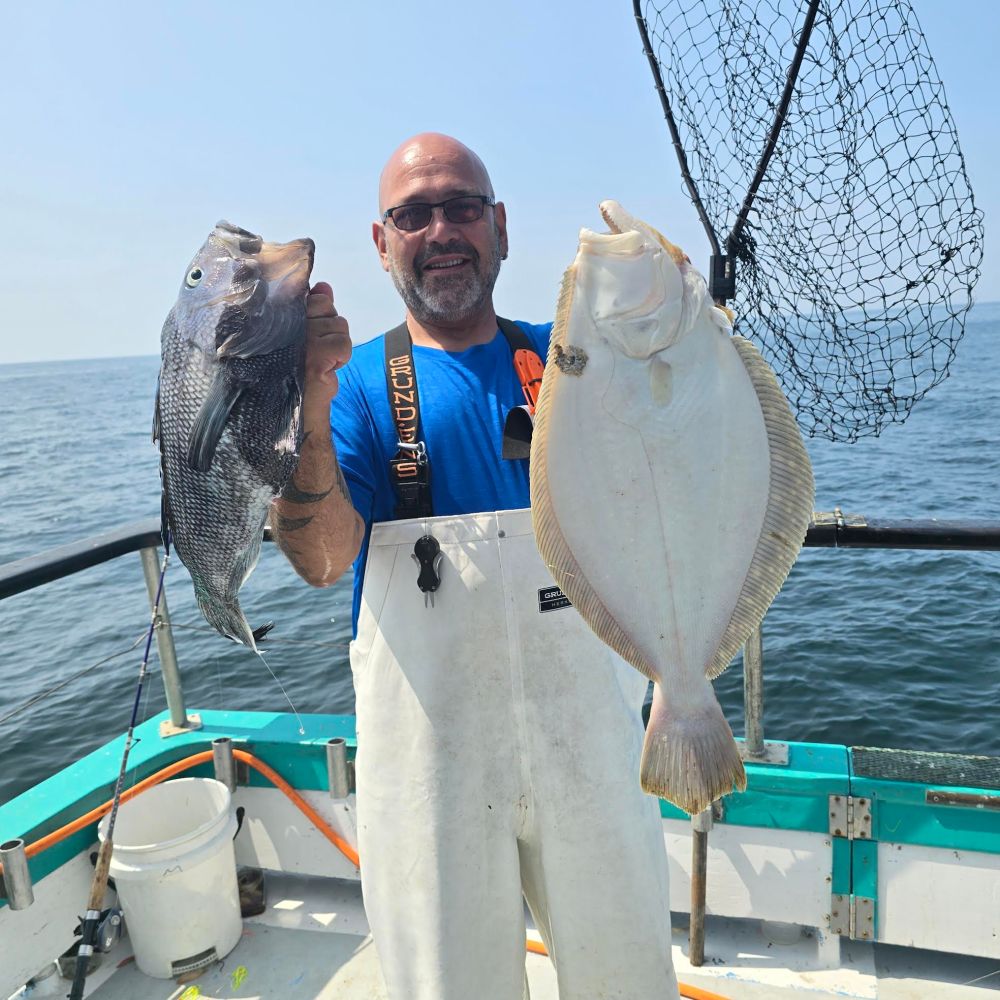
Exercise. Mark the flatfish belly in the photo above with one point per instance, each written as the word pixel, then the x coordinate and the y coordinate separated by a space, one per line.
pixel 671 490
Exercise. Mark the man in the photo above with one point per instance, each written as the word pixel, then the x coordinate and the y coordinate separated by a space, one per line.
pixel 498 739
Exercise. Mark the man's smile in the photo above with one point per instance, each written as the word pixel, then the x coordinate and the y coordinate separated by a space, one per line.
pixel 445 262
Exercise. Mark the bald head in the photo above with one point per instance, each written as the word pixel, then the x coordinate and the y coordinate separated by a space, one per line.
pixel 420 159
pixel 444 269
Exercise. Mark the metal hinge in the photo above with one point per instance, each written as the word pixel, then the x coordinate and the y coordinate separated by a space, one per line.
pixel 850 817
pixel 853 916
pixel 838 519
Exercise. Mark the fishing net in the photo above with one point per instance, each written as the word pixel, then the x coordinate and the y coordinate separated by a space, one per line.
pixel 816 143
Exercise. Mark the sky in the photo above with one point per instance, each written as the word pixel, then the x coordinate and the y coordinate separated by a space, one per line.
pixel 129 129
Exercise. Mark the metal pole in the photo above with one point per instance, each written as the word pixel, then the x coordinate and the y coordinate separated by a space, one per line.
pixel 753 693
pixel 700 825
pixel 16 877
pixel 336 768
pixel 164 641
pixel 224 762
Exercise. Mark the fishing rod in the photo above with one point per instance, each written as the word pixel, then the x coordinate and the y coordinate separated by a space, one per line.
pixel 92 919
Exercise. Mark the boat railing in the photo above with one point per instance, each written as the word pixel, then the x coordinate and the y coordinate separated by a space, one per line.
pixel 833 529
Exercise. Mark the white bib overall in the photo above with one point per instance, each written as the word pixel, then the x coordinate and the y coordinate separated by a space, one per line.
pixel 498 752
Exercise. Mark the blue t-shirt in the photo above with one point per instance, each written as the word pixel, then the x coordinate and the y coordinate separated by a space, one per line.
pixel 464 401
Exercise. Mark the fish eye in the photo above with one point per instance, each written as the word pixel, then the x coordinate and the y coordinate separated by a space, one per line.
pixel 193 277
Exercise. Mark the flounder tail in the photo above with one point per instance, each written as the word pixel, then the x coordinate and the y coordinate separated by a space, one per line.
pixel 690 758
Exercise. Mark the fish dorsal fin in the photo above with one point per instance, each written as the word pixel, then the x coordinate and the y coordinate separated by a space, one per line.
pixel 789 507
pixel 548 534
pixel 211 420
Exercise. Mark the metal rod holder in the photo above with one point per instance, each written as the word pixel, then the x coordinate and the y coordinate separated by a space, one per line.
pixel 164 640
pixel 701 823
pixel 16 877
pixel 336 768
pixel 225 763
pixel 753 693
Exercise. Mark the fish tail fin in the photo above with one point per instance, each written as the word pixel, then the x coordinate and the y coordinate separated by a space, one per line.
pixel 690 758
pixel 227 618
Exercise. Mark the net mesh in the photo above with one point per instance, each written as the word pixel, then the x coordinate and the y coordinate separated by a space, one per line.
pixel 863 243
pixel 926 768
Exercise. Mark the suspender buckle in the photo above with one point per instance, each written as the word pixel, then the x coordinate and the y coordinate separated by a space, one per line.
pixel 418 448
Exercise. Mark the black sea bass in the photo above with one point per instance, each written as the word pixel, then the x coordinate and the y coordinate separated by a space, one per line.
pixel 228 408
pixel 670 488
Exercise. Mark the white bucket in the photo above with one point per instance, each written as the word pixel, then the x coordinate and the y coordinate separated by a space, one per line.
pixel 173 862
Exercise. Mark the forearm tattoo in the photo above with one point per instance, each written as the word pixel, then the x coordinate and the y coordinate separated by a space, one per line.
pixel 342 484
pixel 292 523
pixel 293 494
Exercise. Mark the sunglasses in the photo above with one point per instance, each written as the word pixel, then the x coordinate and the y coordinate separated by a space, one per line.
pixel 417 216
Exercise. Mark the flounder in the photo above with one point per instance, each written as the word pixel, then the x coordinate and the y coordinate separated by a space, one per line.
pixel 670 488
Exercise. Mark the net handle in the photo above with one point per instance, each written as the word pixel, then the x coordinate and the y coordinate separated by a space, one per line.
pixel 672 125
pixel 732 242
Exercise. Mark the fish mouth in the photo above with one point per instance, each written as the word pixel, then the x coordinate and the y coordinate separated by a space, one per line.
pixel 286 267
pixel 627 236
pixel 626 244
pixel 619 222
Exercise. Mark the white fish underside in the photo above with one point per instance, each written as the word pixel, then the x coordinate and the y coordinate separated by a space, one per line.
pixel 671 494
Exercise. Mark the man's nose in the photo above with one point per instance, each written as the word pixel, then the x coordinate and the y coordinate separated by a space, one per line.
pixel 439 221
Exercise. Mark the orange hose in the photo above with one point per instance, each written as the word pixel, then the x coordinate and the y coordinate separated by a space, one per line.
pixel 321 824
pixel 697 993
pixel 50 839
pixel 688 991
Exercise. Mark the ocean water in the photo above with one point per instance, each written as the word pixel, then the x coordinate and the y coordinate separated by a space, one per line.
pixel 861 647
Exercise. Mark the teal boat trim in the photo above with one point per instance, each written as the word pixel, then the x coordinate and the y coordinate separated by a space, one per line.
pixel 794 797
pixel 85 784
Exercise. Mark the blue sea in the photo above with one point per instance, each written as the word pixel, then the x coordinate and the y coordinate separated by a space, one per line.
pixel 861 647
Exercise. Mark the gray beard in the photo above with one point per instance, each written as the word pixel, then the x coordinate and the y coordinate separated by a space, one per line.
pixel 456 300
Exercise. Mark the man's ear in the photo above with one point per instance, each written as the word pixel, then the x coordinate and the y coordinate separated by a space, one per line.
pixel 378 235
pixel 500 214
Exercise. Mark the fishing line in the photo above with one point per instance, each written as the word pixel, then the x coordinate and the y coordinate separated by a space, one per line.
pixel 271 641
pixel 302 728
pixel 42 695
pixel 89 924
pixel 277 680
pixel 218 679
pixel 981 978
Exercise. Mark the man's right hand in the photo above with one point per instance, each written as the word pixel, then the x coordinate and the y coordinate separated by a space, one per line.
pixel 314 521
pixel 328 347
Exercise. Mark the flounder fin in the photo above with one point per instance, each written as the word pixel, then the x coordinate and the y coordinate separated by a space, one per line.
pixel 789 508
pixel 689 758
pixel 548 533
pixel 211 420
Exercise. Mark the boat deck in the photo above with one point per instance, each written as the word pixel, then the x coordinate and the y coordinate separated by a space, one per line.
pixel 278 957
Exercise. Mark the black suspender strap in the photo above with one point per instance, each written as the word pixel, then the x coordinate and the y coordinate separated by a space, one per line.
pixel 516 337
pixel 520 420
pixel 410 470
